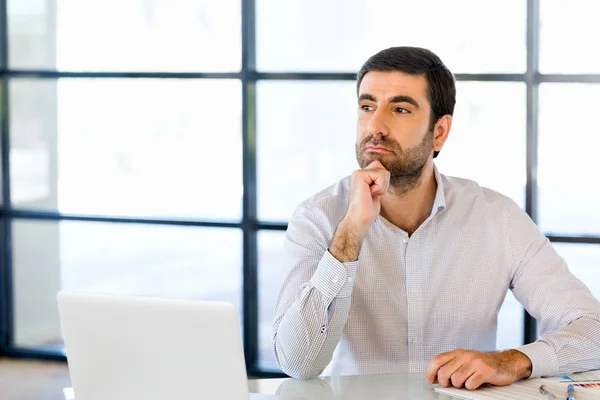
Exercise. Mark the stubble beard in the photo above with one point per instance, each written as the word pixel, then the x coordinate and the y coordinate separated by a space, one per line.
pixel 405 166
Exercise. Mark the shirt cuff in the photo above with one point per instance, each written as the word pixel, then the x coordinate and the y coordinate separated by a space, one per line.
pixel 544 361
pixel 333 278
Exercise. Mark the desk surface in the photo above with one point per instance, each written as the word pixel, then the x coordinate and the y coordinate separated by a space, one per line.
pixel 410 386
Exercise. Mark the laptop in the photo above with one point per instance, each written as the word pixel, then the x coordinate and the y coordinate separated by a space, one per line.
pixel 129 348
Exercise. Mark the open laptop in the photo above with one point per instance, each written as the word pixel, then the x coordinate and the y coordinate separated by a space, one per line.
pixel 130 348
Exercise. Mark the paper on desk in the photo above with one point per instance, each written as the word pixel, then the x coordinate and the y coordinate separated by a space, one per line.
pixel 585 376
pixel 524 390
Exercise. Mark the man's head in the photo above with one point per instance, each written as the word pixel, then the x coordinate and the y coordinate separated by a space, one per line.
pixel 406 99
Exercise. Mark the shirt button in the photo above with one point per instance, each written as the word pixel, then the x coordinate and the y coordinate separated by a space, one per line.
pixel 415 341
pixel 350 279
pixel 412 291
pixel 335 279
pixel 405 240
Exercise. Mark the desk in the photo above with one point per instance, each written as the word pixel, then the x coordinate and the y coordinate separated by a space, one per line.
pixel 409 386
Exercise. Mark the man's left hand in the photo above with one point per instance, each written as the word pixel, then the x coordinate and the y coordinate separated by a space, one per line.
pixel 471 369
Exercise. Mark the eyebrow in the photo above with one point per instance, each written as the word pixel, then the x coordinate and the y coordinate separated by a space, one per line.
pixel 395 99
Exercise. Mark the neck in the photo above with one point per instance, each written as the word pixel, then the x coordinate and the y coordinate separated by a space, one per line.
pixel 408 203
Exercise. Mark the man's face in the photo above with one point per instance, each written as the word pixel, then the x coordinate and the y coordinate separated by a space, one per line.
pixel 393 124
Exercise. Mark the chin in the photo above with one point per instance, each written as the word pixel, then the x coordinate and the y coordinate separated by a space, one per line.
pixel 369 158
pixel 375 156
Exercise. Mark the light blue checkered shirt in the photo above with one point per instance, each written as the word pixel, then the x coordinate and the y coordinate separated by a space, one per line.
pixel 408 299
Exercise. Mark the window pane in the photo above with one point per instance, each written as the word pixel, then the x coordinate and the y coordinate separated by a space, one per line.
pixel 568 144
pixel 569 33
pixel 135 35
pixel 487 139
pixel 584 263
pixel 302 147
pixel 510 324
pixel 145 147
pixel 148 260
pixel 271 272
pixel 340 35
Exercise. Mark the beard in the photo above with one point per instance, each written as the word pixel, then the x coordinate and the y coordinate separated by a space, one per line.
pixel 405 165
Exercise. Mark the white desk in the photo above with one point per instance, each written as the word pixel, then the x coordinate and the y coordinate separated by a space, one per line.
pixel 409 386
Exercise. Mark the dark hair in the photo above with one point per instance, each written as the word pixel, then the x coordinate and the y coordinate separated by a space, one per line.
pixel 441 90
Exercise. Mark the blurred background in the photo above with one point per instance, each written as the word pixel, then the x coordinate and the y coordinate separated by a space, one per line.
pixel 159 147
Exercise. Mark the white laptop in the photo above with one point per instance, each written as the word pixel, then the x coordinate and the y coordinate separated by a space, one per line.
pixel 133 348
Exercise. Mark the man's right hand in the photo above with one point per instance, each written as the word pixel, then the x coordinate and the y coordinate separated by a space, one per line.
pixel 366 187
pixel 364 206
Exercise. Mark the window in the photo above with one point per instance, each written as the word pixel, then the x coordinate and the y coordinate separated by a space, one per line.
pixel 137 35
pixel 482 135
pixel 304 143
pixel 191 133
pixel 568 36
pixel 334 36
pixel 567 160
pixel 132 147
pixel 134 259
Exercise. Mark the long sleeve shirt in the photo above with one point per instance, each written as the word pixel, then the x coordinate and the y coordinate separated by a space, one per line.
pixel 408 298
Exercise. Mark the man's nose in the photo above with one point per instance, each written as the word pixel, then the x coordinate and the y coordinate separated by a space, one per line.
pixel 377 125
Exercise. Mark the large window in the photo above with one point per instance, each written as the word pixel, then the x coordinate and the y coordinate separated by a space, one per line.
pixel 159 149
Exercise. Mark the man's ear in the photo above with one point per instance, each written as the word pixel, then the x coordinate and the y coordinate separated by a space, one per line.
pixel 441 130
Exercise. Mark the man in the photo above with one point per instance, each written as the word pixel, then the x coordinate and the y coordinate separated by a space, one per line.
pixel 400 268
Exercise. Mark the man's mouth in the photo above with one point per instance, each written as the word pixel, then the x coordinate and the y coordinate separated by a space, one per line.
pixel 377 149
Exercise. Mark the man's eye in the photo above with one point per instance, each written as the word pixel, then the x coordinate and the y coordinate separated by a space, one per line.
pixel 402 110
pixel 365 107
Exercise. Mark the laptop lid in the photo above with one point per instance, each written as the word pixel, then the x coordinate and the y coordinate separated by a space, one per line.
pixel 125 347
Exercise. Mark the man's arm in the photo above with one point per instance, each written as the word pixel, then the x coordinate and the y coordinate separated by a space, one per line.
pixel 568 314
pixel 314 300
pixel 313 303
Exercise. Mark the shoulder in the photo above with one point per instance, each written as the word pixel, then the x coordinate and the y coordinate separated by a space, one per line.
pixel 327 207
pixel 466 192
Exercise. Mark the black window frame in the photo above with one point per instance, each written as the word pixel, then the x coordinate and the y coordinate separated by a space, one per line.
pixel 249 224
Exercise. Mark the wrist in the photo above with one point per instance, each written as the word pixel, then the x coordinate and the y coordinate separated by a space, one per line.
pixel 347 241
pixel 522 364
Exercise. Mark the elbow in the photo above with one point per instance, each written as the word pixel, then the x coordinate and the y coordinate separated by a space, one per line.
pixel 299 373
pixel 297 366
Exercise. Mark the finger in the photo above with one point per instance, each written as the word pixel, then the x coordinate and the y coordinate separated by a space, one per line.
pixel 375 165
pixel 447 371
pixel 436 363
pixel 460 376
pixel 369 177
pixel 475 380
pixel 381 183
pixel 378 179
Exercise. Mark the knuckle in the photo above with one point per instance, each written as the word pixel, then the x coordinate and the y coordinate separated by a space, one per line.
pixel 471 385
pixel 474 382
pixel 457 379
pixel 443 374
